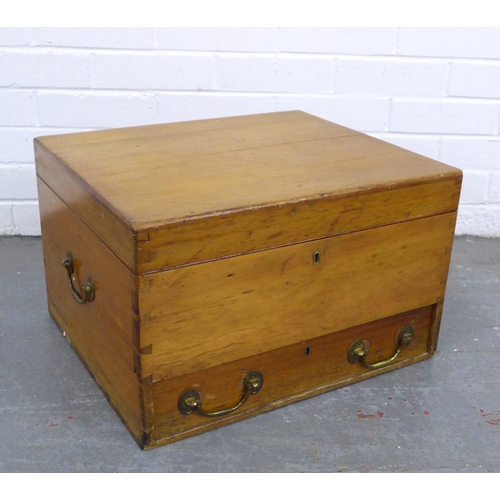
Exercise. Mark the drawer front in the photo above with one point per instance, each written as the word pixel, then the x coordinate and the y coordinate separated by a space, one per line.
pixel 290 374
pixel 201 316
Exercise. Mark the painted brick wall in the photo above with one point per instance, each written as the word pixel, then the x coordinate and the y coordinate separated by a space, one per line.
pixel 431 90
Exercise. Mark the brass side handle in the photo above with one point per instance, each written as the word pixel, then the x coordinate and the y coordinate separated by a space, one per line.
pixel 190 400
pixel 88 291
pixel 358 352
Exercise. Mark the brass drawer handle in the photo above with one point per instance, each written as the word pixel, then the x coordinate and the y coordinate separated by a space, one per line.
pixel 190 400
pixel 87 287
pixel 357 351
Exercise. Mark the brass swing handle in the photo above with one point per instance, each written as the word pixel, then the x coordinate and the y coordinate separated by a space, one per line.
pixel 190 400
pixel 357 351
pixel 87 287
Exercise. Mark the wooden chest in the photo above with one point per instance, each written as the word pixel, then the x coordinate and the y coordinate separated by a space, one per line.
pixel 209 271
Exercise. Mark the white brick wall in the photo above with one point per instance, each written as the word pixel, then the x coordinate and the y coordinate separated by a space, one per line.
pixel 96 109
pixel 439 116
pixel 391 76
pixel 434 91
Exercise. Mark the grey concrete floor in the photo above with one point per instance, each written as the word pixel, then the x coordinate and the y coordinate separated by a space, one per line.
pixel 440 415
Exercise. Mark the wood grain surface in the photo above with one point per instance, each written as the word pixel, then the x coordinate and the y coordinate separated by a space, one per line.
pixel 200 237
pixel 289 375
pixel 201 316
pixel 247 181
pixel 95 214
pixel 101 331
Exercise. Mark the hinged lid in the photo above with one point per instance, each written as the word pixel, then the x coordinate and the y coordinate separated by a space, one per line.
pixel 167 195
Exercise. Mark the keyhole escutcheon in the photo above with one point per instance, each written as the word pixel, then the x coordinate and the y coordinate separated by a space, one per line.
pixel 316 257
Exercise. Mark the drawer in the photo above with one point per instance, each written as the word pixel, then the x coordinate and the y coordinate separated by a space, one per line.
pixel 291 373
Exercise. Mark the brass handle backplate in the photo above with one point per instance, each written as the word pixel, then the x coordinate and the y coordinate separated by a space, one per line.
pixel 190 400
pixel 88 291
pixel 358 352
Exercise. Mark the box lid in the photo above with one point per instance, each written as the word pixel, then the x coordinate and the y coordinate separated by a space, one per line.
pixel 167 195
